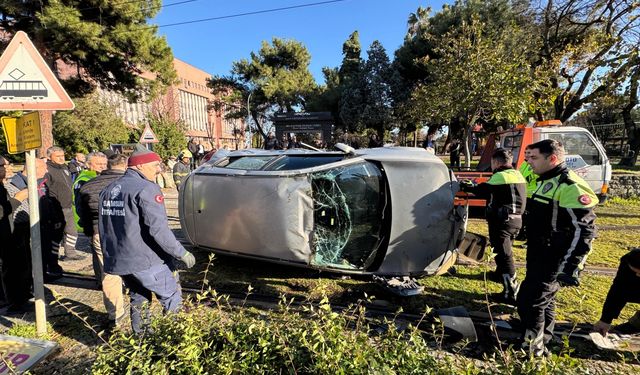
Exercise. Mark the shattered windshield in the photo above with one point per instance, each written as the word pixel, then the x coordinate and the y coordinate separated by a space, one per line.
pixel 349 203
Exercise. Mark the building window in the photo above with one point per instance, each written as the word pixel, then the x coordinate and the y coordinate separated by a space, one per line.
pixel 193 110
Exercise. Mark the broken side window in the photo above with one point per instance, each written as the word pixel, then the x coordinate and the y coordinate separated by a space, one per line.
pixel 348 209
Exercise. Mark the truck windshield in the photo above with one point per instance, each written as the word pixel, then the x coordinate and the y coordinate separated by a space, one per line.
pixel 579 149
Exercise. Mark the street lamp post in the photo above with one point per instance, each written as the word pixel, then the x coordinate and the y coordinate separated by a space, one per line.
pixel 248 119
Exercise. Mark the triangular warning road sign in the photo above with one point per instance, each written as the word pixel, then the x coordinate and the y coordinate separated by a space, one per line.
pixel 26 81
pixel 148 136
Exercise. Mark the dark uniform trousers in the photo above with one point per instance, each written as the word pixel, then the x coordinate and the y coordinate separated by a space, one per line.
pixel 536 302
pixel 501 236
pixel 158 279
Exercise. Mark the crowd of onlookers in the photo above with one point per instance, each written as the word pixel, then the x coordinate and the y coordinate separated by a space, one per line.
pixel 59 186
pixel 69 203
pixel 291 141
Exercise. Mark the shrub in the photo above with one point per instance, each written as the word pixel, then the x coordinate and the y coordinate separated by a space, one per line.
pixel 244 341
pixel 314 340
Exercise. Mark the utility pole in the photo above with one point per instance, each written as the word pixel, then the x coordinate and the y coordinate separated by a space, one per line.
pixel 249 119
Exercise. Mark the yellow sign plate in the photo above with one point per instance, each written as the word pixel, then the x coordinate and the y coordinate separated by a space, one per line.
pixel 22 133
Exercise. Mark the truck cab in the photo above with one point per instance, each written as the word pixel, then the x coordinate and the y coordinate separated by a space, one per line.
pixel 584 154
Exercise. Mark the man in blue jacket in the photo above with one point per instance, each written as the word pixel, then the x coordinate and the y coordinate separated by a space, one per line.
pixel 137 243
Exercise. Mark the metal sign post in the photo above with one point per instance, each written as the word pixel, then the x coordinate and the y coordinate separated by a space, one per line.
pixel 36 245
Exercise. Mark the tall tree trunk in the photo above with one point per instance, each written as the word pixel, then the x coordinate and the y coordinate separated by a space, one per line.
pixel 633 132
pixel 258 125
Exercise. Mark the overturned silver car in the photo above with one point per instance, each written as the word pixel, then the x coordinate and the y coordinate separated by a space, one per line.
pixel 383 211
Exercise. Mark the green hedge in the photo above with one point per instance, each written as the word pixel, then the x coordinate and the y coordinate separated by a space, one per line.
pixel 315 340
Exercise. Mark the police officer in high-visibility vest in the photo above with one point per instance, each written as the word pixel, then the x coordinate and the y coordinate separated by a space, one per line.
pixel 531 178
pixel 529 175
pixel 506 195
pixel 560 227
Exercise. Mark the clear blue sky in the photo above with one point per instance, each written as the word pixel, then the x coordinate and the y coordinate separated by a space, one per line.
pixel 213 45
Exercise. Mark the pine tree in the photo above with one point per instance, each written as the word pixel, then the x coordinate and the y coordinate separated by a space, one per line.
pixel 277 78
pixel 108 41
pixel 377 113
pixel 351 101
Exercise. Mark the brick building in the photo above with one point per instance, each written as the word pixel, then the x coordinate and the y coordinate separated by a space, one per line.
pixel 190 101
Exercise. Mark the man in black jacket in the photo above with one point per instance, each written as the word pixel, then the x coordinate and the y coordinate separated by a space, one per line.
pixel 192 146
pixel 454 154
pixel 88 204
pixel 506 195
pixel 59 191
pixel 623 290
pixel 77 165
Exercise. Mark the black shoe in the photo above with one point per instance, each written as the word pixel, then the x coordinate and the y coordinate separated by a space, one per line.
pixel 107 328
pixel 55 270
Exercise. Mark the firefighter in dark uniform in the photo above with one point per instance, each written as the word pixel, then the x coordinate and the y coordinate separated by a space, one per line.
pixel 620 294
pixel 137 243
pixel 506 194
pixel 182 168
pixel 560 228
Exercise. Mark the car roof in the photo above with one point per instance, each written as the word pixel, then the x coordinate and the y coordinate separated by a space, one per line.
pixel 379 153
